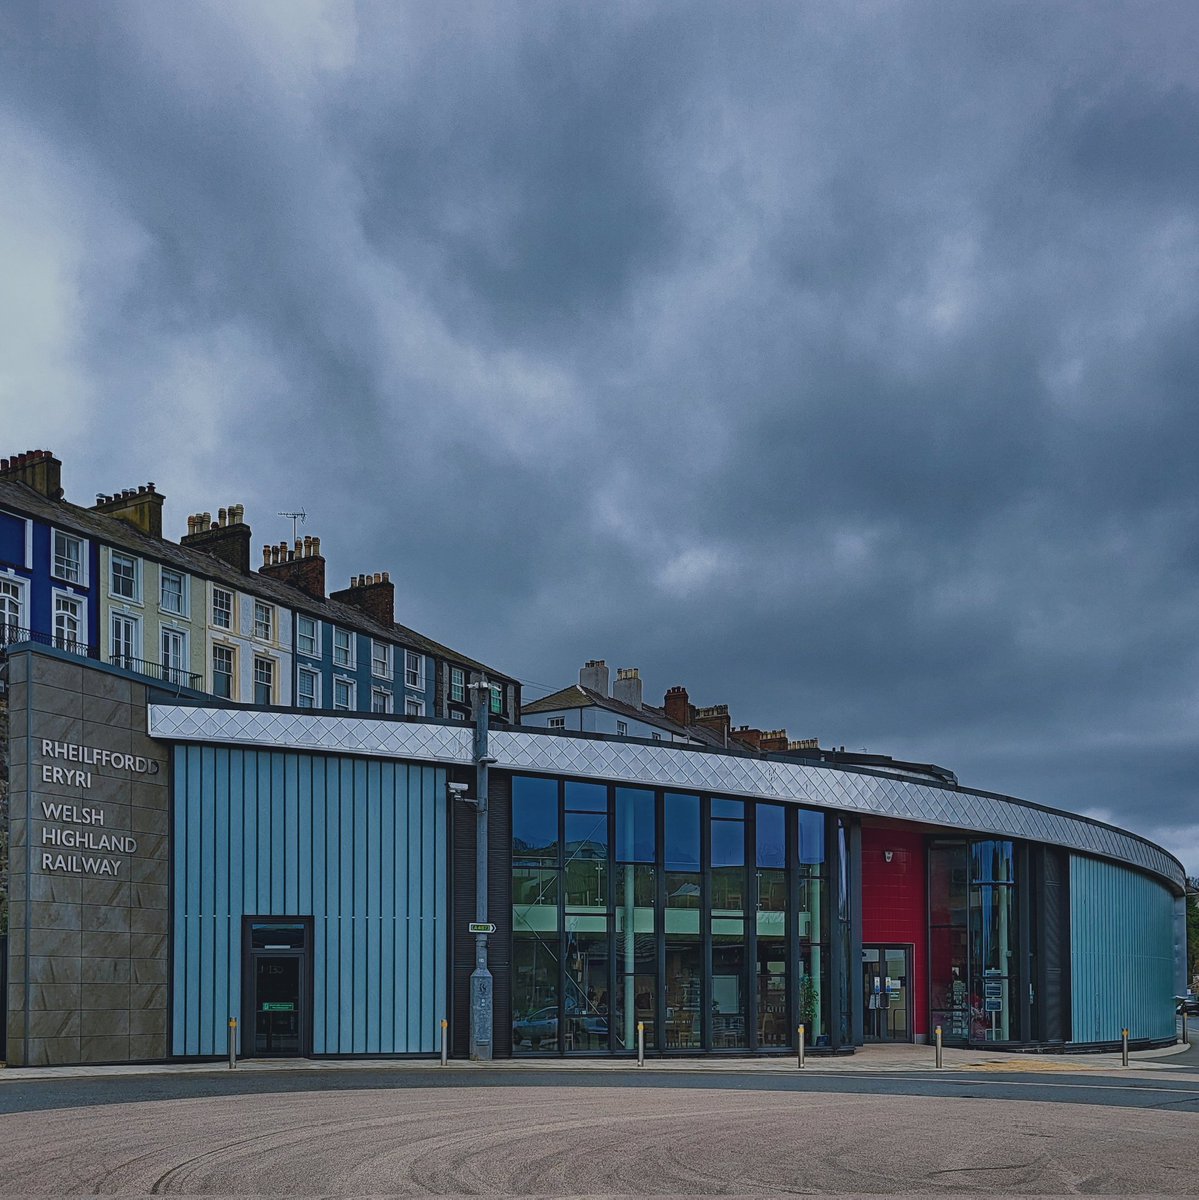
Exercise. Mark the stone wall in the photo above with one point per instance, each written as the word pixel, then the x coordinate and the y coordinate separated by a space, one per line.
pixel 89 866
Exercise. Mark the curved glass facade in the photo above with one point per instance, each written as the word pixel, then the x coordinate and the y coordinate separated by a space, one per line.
pixel 702 919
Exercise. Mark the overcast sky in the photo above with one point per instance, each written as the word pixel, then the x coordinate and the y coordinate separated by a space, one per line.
pixel 838 362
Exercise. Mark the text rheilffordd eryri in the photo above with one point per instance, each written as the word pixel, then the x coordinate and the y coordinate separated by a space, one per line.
pixel 81 827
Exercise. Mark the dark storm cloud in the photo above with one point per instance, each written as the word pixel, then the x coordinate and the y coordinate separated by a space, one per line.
pixel 835 361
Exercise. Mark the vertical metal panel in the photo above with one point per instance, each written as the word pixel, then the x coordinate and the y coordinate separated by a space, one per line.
pixel 358 845
pixel 1122 952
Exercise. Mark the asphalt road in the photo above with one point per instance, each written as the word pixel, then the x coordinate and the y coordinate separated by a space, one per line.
pixel 609 1133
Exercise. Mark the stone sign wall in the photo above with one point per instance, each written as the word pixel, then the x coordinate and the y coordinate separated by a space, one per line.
pixel 88 866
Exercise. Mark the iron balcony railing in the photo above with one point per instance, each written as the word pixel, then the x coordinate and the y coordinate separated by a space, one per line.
pixel 175 676
pixel 12 635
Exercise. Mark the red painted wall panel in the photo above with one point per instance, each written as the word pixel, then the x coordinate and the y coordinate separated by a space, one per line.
pixel 894 898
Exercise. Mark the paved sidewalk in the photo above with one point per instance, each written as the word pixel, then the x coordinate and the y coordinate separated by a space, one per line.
pixel 867 1060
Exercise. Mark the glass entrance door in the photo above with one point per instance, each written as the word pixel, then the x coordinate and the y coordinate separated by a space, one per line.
pixel 278 978
pixel 886 993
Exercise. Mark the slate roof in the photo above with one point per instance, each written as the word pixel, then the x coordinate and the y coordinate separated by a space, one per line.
pixel 112 531
pixel 578 696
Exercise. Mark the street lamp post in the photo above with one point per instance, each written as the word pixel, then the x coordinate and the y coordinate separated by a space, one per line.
pixel 482 1008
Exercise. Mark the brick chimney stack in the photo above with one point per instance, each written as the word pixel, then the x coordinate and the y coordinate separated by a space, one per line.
pixel 140 507
pixel 775 741
pixel 38 469
pixel 715 718
pixel 677 706
pixel 302 565
pixel 746 736
pixel 226 538
pixel 374 595
pixel 594 675
pixel 627 688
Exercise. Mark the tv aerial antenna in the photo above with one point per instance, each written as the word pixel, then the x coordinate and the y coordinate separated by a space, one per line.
pixel 296 518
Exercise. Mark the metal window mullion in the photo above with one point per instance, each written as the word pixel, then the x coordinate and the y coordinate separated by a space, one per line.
pixel 561 916
pixel 749 937
pixel 612 873
pixel 705 909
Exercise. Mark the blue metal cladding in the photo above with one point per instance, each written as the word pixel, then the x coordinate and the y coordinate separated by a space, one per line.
pixel 357 844
pixel 1122 952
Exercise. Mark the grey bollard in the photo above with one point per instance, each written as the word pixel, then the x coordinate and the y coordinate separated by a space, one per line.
pixel 445 1046
pixel 940 1054
pixel 641 1043
pixel 1186 1031
pixel 1124 1046
pixel 802 1033
pixel 232 1043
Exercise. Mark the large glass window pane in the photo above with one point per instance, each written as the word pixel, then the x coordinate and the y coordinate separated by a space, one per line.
pixel 813 910
pixel 812 994
pixel 534 818
pixel 587 797
pixel 734 810
pixel 681 827
pixel 534 995
pixel 811 840
pixel 992 862
pixel 728 986
pixel 947 885
pixel 728 843
pixel 586 859
pixel 587 997
pixel 773 1025
pixel 948 993
pixel 636 954
pixel 635 835
pixel 683 988
pixel 771 835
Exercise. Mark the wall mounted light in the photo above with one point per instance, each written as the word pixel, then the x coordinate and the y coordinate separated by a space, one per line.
pixel 888 855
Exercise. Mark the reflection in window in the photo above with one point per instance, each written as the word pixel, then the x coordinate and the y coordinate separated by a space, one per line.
pixel 616 893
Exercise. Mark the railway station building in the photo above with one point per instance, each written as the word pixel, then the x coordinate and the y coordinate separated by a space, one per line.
pixel 177 861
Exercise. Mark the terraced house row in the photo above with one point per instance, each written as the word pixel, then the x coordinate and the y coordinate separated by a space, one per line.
pixel 199 616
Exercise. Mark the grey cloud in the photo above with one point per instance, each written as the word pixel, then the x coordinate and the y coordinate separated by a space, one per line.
pixel 836 362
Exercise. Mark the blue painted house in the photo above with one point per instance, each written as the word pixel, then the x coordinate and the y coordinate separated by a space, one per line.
pixel 48 571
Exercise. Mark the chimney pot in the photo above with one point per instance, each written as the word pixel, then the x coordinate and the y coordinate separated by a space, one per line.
pixel 222 516
pixel 386 576
pixel 316 545
pixel 266 556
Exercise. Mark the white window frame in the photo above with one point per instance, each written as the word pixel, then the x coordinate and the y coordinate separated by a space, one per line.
pixel 268 622
pixel 274 666
pixel 349 662
pixel 382 694
pixel 135 624
pixel 27 563
pixel 386 670
pixel 184 668
pixel 81 542
pixel 80 602
pixel 136 598
pixel 657 737
pixel 458 685
pixel 556 723
pixel 232 652
pixel 184 609
pixel 340 681
pixel 414 670
pixel 414 706
pixel 223 591
pixel 496 707
pixel 315 652
pixel 622 729
pixel 308 673
pixel 22 599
